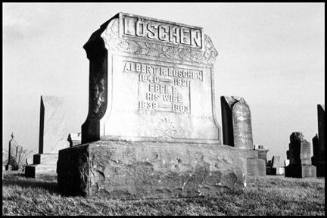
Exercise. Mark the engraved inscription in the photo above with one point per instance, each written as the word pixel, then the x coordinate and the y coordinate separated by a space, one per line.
pixel 161 31
pixel 163 88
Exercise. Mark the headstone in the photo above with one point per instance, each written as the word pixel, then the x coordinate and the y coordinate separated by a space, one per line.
pixel 319 143
pixel 13 149
pixel 277 166
pixel 236 119
pixel 151 129
pixel 262 160
pixel 52 136
pixel 299 154
pixel 74 139
pixel 262 153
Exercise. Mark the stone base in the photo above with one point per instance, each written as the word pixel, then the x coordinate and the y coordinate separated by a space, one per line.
pixel 275 171
pixel 43 164
pixel 135 170
pixel 300 171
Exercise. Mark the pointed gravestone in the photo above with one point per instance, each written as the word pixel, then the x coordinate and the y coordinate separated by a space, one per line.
pixel 52 136
pixel 299 154
pixel 13 148
pixel 151 129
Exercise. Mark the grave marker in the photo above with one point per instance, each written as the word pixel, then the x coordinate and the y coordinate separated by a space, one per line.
pixel 299 154
pixel 152 129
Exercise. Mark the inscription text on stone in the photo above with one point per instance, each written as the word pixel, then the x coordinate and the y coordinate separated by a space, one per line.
pixel 163 88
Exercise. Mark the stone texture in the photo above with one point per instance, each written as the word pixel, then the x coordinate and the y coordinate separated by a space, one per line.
pixel 122 169
pixel 236 121
pixel 299 154
pixel 150 85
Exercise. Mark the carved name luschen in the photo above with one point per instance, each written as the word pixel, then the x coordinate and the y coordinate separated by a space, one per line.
pixel 163 88
pixel 162 31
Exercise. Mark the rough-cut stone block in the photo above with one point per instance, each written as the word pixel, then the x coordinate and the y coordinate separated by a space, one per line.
pixel 151 169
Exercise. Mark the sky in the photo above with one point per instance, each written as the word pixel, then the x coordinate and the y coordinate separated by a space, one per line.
pixel 272 54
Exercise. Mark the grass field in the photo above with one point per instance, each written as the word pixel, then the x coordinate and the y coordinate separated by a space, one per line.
pixel 271 195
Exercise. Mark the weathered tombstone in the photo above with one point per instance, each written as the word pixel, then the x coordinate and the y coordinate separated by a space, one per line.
pixel 319 143
pixel 152 129
pixel 299 154
pixel 13 148
pixel 237 129
pixel 236 119
pixel 262 160
pixel 52 137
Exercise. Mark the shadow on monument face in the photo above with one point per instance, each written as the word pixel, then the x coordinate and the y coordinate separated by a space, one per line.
pixel 48 183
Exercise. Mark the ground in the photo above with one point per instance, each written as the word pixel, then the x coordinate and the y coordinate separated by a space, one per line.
pixel 270 195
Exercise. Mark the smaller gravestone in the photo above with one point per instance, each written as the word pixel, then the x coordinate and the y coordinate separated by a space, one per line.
pixel 319 145
pixel 276 166
pixel 262 160
pixel 262 153
pixel 13 150
pixel 74 139
pixel 237 130
pixel 299 154
pixel 236 120
pixel 52 136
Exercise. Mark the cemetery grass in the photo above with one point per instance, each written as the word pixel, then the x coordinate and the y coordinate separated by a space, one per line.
pixel 271 195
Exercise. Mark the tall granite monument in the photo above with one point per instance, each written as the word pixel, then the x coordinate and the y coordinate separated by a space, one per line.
pixel 319 143
pixel 152 129
pixel 52 136
pixel 299 154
